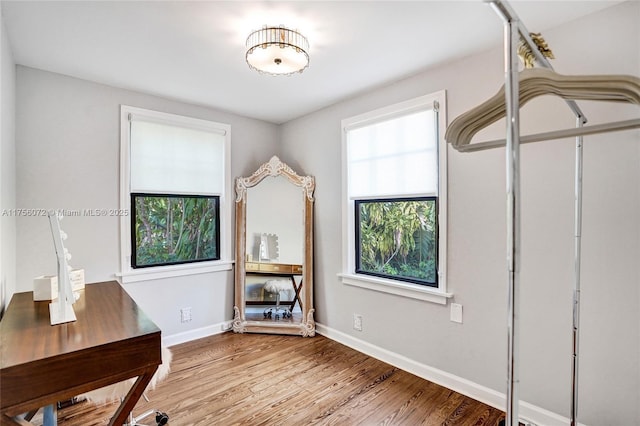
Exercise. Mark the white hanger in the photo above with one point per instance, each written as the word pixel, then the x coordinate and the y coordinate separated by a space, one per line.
pixel 539 81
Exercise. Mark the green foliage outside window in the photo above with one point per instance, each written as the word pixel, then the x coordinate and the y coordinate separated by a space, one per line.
pixel 398 239
pixel 170 229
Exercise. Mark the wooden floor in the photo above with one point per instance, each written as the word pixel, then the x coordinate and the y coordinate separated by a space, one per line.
pixel 252 379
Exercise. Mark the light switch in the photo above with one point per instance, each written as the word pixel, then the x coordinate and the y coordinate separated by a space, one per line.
pixel 456 312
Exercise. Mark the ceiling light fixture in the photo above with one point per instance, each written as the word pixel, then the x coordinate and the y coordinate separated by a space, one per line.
pixel 277 51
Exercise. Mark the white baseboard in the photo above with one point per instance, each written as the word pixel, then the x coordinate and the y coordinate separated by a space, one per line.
pixel 529 413
pixel 198 333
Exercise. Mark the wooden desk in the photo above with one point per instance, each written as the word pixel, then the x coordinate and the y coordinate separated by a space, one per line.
pixel 112 340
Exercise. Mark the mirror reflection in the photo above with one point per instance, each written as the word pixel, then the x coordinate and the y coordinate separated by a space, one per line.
pixel 274 251
pixel 275 214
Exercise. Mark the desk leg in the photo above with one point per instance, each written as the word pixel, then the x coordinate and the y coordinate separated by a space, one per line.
pixel 296 297
pixel 130 401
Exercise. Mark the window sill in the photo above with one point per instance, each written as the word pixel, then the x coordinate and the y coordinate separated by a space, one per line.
pixel 412 291
pixel 159 272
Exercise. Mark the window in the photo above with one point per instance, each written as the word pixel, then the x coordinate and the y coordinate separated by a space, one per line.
pixel 396 238
pixel 394 174
pixel 175 184
pixel 171 229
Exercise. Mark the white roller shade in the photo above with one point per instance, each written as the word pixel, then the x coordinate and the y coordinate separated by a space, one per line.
pixel 394 157
pixel 177 160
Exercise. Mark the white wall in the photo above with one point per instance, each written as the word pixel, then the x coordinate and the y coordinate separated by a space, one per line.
pixel 608 42
pixel 68 139
pixel 8 170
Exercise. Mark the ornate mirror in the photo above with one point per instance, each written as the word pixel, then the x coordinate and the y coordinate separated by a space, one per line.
pixel 274 252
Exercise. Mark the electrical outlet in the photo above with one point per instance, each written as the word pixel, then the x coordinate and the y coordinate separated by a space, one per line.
pixel 185 315
pixel 456 312
pixel 357 322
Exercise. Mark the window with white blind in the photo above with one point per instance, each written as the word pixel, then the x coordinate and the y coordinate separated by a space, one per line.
pixel 175 185
pixel 394 192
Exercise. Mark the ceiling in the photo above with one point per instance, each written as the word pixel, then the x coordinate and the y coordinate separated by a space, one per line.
pixel 193 51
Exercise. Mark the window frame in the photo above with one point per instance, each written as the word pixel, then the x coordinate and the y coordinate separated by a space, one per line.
pixel 129 274
pixel 349 276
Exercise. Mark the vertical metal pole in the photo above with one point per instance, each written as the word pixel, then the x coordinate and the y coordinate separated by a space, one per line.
pixel 576 282
pixel 512 92
pixel 512 29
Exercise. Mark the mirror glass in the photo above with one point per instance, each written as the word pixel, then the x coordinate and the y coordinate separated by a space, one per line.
pixel 275 215
pixel 274 251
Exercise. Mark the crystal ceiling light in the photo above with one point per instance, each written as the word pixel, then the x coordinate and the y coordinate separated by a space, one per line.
pixel 277 51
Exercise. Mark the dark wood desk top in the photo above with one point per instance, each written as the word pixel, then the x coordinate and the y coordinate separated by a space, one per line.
pixel 112 340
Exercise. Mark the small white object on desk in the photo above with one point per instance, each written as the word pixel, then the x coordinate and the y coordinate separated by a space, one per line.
pixel 45 287
pixel 76 276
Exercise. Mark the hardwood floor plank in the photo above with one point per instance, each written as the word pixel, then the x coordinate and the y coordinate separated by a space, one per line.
pixel 406 396
pixel 350 408
pixel 253 379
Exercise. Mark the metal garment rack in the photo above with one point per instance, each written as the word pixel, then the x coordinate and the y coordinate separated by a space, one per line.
pixel 514 29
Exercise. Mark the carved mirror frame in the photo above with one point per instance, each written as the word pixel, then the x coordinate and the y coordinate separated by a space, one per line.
pixel 307 327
